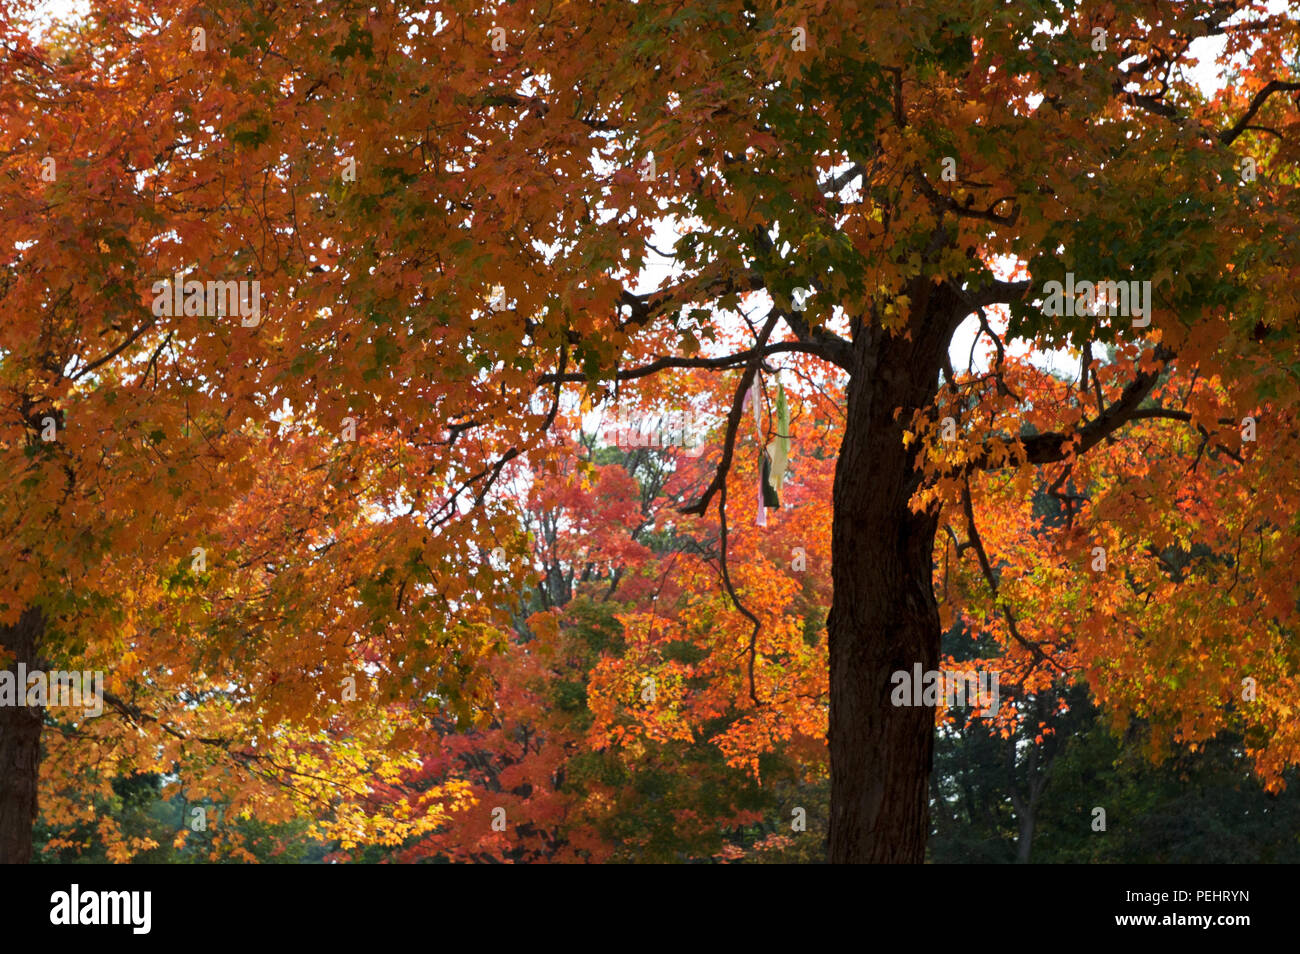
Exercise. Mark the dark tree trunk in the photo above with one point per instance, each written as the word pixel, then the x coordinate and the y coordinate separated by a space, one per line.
pixel 20 745
pixel 884 617
pixel 1025 841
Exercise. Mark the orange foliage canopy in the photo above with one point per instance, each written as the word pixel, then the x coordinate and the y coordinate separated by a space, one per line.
pixel 276 537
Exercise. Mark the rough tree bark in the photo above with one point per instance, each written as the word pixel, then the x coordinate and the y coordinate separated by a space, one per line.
pixel 20 745
pixel 884 616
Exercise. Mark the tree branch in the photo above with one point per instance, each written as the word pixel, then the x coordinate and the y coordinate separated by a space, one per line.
pixel 1228 136
pixel 733 424
pixel 722 362
pixel 1054 446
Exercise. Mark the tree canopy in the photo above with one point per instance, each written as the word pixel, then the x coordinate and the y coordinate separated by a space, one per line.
pixel 311 309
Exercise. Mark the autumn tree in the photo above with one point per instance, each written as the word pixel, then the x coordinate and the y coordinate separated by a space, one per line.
pixel 876 176
pixel 465 215
pixel 169 521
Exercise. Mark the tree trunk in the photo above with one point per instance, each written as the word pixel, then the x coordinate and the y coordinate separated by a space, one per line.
pixel 20 744
pixel 884 617
pixel 1025 841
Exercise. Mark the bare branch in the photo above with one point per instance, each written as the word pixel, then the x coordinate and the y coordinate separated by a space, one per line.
pixel 987 568
pixel 721 362
pixel 733 425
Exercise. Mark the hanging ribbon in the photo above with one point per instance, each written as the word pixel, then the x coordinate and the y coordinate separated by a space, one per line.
pixel 755 398
pixel 778 451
